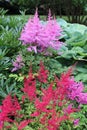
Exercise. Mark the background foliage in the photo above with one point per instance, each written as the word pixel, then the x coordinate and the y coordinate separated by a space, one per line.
pixel 75 10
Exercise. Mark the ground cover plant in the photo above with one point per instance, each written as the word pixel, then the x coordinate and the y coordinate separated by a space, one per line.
pixel 24 44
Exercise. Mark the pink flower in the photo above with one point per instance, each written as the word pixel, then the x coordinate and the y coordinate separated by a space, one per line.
pixel 82 98
pixel 74 90
pixel 32 48
pixel 32 30
pixel 53 32
pixel 40 37
pixel 76 122
pixel 18 63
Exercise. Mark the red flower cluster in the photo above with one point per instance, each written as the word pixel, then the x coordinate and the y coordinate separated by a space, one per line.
pixel 30 82
pixel 9 110
pixel 30 86
pixel 52 105
pixel 42 73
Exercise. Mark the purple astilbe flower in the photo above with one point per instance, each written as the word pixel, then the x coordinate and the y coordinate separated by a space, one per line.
pixel 76 122
pixel 18 63
pixel 40 37
pixel 82 98
pixel 75 90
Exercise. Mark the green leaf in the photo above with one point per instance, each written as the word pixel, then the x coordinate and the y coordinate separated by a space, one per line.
pixel 81 77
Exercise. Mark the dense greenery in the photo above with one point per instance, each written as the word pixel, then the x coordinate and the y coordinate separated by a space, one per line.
pixel 74 51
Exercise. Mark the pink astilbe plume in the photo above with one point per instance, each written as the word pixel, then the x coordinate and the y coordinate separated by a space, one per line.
pixel 31 32
pixel 49 15
pixel 53 32
pixel 74 90
pixel 76 122
pixel 40 37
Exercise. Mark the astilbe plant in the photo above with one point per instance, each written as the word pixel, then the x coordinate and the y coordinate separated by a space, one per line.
pixel 75 90
pixel 9 110
pixel 52 106
pixel 39 37
pixel 18 63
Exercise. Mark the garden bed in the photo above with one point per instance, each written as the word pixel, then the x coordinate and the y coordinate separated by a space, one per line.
pixel 59 48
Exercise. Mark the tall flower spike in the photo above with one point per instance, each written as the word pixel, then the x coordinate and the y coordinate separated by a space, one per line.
pixel 53 32
pixel 30 85
pixel 49 15
pixel 36 17
pixel 31 31
pixel 43 73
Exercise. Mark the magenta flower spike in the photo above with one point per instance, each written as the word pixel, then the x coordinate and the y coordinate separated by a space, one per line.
pixel 53 32
pixel 31 30
pixel 32 33
pixel 36 17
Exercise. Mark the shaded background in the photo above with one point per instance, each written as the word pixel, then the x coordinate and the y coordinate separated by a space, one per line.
pixel 75 10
